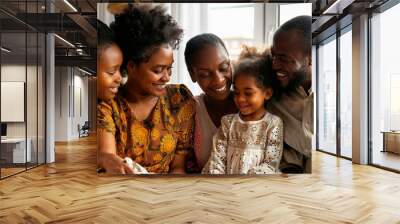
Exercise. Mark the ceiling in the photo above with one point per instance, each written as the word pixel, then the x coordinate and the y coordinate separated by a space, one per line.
pixel 22 23
pixel 79 27
pixel 332 15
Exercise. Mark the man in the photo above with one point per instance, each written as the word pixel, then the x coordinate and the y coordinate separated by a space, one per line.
pixel 291 59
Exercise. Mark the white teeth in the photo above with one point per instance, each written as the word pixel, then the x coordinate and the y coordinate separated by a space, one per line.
pixel 221 89
pixel 280 74
pixel 161 86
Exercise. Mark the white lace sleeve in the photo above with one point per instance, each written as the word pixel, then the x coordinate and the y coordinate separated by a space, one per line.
pixel 217 162
pixel 273 151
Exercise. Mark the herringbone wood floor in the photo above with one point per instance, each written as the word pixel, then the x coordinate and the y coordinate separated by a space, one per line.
pixel 70 191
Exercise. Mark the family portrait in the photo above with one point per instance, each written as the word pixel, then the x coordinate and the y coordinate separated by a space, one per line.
pixel 174 97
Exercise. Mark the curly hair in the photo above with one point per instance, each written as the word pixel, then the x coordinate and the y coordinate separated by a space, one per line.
pixel 105 37
pixel 257 65
pixel 142 28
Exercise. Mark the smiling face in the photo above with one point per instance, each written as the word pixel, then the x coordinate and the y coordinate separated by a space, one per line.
pixel 290 62
pixel 211 69
pixel 151 77
pixel 250 97
pixel 108 72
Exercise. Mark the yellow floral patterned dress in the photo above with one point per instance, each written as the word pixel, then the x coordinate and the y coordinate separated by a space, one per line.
pixel 154 142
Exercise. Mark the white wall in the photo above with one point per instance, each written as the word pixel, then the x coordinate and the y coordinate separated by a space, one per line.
pixel 33 127
pixel 14 73
pixel 71 94
pixel 61 103
pixel 50 93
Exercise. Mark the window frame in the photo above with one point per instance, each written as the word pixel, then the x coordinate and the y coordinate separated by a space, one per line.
pixel 334 37
pixel 371 14
pixel 259 21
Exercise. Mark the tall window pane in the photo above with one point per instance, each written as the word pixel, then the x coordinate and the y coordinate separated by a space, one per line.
pixel 32 98
pixel 239 14
pixel 345 94
pixel 385 84
pixel 327 96
pixel 288 11
pixel 15 151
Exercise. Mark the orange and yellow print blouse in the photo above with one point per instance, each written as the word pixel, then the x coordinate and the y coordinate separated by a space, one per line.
pixel 154 142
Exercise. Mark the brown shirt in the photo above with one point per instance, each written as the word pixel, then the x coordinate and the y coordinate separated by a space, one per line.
pixel 153 142
pixel 296 111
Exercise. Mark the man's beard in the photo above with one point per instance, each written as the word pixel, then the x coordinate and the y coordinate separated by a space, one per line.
pixel 298 79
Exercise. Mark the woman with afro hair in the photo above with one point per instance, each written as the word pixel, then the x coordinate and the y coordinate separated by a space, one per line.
pixel 149 122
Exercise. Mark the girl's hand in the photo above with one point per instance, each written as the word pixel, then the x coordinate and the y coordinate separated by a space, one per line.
pixel 136 167
pixel 113 164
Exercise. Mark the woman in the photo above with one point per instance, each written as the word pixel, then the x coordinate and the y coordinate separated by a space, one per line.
pixel 208 63
pixel 149 122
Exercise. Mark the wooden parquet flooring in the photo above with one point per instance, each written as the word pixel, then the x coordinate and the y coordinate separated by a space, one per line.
pixel 70 191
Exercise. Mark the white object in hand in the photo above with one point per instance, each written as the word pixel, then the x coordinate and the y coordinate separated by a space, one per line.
pixel 137 169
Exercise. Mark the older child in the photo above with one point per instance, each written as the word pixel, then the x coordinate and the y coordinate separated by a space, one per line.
pixel 109 60
pixel 251 141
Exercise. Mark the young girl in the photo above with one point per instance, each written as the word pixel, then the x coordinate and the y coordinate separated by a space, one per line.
pixel 109 60
pixel 251 141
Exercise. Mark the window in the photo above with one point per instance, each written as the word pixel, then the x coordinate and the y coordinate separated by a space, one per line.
pixel 326 91
pixel 242 15
pixel 334 109
pixel 22 73
pixel 346 93
pixel 235 23
pixel 385 85
pixel 288 11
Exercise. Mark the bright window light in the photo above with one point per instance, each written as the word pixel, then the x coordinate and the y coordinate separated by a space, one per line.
pixel 286 12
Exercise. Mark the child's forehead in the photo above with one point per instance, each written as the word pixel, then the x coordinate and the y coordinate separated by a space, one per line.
pixel 247 80
pixel 244 80
pixel 108 48
pixel 245 77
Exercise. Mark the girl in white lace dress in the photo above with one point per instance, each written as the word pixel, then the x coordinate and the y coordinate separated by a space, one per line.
pixel 251 141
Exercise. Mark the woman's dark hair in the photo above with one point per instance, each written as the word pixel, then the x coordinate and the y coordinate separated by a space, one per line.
pixel 257 65
pixel 197 43
pixel 141 29
pixel 105 37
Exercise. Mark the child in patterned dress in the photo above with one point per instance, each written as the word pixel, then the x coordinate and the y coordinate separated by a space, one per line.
pixel 251 141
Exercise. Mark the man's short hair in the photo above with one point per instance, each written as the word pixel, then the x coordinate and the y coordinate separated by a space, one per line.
pixel 301 24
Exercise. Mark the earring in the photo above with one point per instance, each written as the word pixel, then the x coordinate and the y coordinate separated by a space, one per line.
pixel 124 75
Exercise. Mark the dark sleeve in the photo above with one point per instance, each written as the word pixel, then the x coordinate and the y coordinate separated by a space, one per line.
pixel 105 119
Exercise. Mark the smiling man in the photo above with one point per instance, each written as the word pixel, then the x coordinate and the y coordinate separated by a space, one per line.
pixel 291 53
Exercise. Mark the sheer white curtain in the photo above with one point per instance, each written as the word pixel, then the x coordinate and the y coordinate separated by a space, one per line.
pixel 190 17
